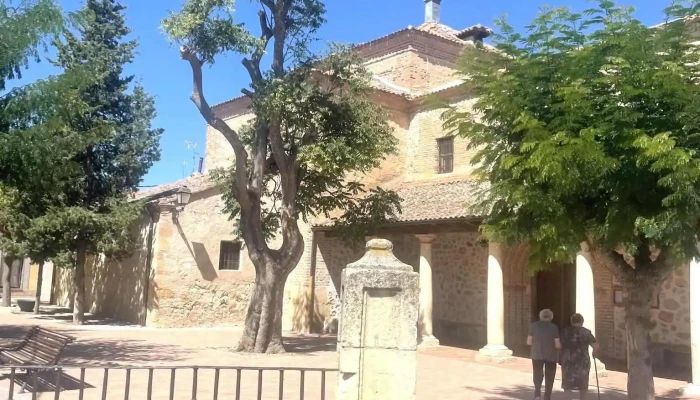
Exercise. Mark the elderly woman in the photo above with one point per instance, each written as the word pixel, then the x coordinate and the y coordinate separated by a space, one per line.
pixel 544 341
pixel 575 361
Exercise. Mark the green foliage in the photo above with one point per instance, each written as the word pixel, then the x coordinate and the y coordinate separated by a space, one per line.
pixel 33 175
pixel 24 26
pixel 119 144
pixel 74 146
pixel 330 130
pixel 587 128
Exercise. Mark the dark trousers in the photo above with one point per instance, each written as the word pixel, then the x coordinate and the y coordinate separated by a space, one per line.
pixel 543 370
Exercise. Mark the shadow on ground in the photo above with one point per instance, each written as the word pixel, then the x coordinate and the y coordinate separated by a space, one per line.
pixel 47 381
pixel 103 352
pixel 65 315
pixel 310 344
pixel 522 392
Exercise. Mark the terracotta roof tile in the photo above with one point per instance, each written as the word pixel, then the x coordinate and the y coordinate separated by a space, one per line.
pixel 430 201
pixel 196 183
pixel 437 201
pixel 442 31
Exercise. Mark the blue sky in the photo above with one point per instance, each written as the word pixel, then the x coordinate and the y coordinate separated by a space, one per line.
pixel 165 76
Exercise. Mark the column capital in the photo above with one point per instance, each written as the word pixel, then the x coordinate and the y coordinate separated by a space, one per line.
pixel 426 238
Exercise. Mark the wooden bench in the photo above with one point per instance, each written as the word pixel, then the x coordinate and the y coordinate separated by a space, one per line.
pixel 41 347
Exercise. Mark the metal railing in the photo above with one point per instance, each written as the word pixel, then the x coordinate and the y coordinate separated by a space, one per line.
pixel 35 377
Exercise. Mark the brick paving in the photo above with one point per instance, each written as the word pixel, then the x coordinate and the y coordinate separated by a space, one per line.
pixel 443 372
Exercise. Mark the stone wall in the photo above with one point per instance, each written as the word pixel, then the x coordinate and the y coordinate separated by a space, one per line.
pixel 671 332
pixel 459 279
pixel 188 287
pixel 114 289
pixel 459 288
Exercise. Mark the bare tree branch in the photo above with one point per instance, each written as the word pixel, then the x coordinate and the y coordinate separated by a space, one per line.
pixel 220 125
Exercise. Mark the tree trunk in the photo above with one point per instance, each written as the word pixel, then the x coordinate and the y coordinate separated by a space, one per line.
pixel 79 283
pixel 39 279
pixel 263 325
pixel 6 273
pixel 640 295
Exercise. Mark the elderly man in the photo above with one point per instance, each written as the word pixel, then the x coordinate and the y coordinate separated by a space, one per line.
pixel 543 339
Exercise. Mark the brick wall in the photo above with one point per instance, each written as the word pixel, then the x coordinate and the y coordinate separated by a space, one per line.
pixel 518 295
pixel 604 310
pixel 422 148
pixel 412 70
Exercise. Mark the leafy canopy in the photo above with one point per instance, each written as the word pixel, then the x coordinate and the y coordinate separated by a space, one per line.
pixel 36 143
pixel 121 145
pixel 587 128
pixel 315 108
pixel 104 141
pixel 25 26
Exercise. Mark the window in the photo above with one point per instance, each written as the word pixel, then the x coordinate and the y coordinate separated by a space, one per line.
pixel 230 256
pixel 446 155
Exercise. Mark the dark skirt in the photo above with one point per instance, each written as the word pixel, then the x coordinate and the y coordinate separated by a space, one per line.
pixel 575 370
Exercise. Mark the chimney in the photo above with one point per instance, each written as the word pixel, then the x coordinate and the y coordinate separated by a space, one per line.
pixel 432 10
pixel 200 168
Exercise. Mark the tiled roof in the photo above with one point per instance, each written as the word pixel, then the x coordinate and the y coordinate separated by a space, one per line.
pixel 437 201
pixel 431 201
pixel 196 183
pixel 442 31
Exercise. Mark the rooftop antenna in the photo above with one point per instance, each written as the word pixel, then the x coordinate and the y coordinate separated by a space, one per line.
pixel 192 146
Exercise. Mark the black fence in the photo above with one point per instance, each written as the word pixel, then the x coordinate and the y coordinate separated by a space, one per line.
pixel 181 382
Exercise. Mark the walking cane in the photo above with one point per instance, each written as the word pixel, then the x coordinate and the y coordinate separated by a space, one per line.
pixel 595 365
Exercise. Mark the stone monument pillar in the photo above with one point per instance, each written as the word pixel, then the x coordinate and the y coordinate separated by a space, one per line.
pixel 377 338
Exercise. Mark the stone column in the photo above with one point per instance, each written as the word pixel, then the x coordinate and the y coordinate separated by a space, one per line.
pixel 425 316
pixel 585 294
pixel 495 349
pixel 377 336
pixel 693 388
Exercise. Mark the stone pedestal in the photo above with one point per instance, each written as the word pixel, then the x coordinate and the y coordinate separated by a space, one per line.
pixel 693 388
pixel 585 295
pixel 377 336
pixel 425 316
pixel 496 349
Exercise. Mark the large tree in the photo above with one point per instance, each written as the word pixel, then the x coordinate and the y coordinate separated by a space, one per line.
pixel 314 133
pixel 587 128
pixel 120 143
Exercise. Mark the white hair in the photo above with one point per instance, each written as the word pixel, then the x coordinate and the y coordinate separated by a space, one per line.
pixel 546 315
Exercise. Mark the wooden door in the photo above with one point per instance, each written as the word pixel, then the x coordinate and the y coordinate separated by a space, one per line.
pixel 556 290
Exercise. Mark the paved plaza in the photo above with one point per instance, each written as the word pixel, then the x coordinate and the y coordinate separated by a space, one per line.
pixel 443 373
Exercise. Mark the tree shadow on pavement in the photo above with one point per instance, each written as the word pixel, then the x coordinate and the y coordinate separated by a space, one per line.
pixel 309 344
pixel 91 352
pixel 65 315
pixel 522 392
